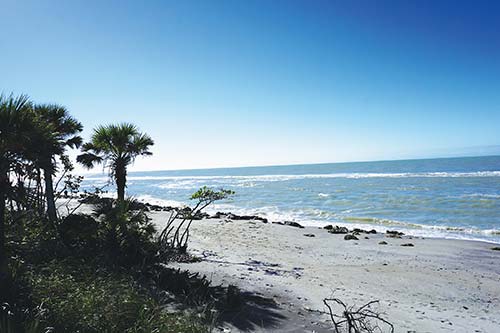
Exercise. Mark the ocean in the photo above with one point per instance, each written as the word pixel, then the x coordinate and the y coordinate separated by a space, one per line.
pixel 448 197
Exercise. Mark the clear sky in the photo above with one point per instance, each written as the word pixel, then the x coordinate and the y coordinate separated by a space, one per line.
pixel 236 83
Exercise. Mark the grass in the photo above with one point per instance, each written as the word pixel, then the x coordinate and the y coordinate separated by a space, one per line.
pixel 73 296
pixel 59 289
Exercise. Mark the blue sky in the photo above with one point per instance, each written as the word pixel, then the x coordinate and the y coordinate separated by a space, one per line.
pixel 236 83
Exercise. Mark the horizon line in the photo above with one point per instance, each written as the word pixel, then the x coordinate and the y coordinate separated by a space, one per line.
pixel 317 163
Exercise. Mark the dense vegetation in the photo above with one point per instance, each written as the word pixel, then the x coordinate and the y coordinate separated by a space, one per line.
pixel 100 272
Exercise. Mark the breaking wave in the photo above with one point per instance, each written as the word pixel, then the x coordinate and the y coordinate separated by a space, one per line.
pixel 273 178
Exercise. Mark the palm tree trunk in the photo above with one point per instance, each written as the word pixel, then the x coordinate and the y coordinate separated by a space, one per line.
pixel 49 194
pixel 121 179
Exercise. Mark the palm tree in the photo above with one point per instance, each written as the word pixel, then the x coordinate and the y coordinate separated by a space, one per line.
pixel 116 147
pixel 16 129
pixel 63 133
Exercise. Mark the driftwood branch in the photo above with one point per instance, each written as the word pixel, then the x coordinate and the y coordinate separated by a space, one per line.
pixel 356 320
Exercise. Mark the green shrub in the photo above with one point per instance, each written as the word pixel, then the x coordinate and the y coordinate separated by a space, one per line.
pixel 81 298
pixel 127 235
pixel 79 231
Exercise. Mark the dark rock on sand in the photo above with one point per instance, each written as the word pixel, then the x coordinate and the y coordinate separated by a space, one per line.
pixel 293 224
pixel 394 234
pixel 254 218
pixel 310 235
pixel 280 223
pixel 383 243
pixel 232 216
pixel 263 219
pixel 350 237
pixel 218 215
pixel 407 244
pixel 201 216
pixel 496 248
pixel 338 230
pixel 362 231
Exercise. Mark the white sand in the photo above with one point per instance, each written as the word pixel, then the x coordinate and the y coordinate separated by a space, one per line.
pixel 438 285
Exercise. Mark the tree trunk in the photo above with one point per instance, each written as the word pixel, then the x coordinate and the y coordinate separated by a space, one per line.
pixel 121 179
pixel 49 195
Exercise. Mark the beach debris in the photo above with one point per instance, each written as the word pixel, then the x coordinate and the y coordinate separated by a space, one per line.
pixel 355 320
pixel 271 272
pixel 218 215
pixel 232 216
pixel 362 231
pixel 394 234
pixel 343 230
pixel 408 244
pixel 290 223
pixel 338 230
pixel 382 243
pixel 310 235
pixel 350 237
pixel 293 224
pixel 496 248
pixel 253 262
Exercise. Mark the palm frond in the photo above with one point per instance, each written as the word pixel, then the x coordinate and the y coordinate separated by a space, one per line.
pixel 89 160
pixel 140 144
pixel 74 142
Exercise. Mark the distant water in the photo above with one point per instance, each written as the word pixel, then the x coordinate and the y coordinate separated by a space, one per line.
pixel 450 198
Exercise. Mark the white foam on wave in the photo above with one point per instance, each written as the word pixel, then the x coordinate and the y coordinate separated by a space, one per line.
pixel 482 196
pixel 160 202
pixel 380 225
pixel 321 218
pixel 271 178
pixel 181 184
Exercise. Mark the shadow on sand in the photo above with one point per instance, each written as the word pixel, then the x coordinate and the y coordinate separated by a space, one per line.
pixel 244 311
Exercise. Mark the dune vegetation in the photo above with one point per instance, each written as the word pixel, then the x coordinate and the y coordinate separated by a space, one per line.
pixel 65 271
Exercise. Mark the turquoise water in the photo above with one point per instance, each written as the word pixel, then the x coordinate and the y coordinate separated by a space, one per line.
pixel 451 198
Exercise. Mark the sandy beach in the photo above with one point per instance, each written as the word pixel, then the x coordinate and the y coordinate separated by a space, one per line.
pixel 436 285
pixel 250 166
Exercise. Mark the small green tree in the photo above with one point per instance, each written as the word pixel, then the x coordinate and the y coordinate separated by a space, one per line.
pixel 116 147
pixel 176 236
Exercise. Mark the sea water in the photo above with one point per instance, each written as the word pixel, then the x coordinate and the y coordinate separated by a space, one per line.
pixel 448 197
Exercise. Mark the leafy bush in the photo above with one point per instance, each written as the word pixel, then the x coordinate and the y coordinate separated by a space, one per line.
pixel 90 273
pixel 79 231
pixel 127 235
pixel 80 297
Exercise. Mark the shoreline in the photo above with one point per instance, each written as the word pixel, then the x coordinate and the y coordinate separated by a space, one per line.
pixel 433 285
pixel 436 285
pixel 350 225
